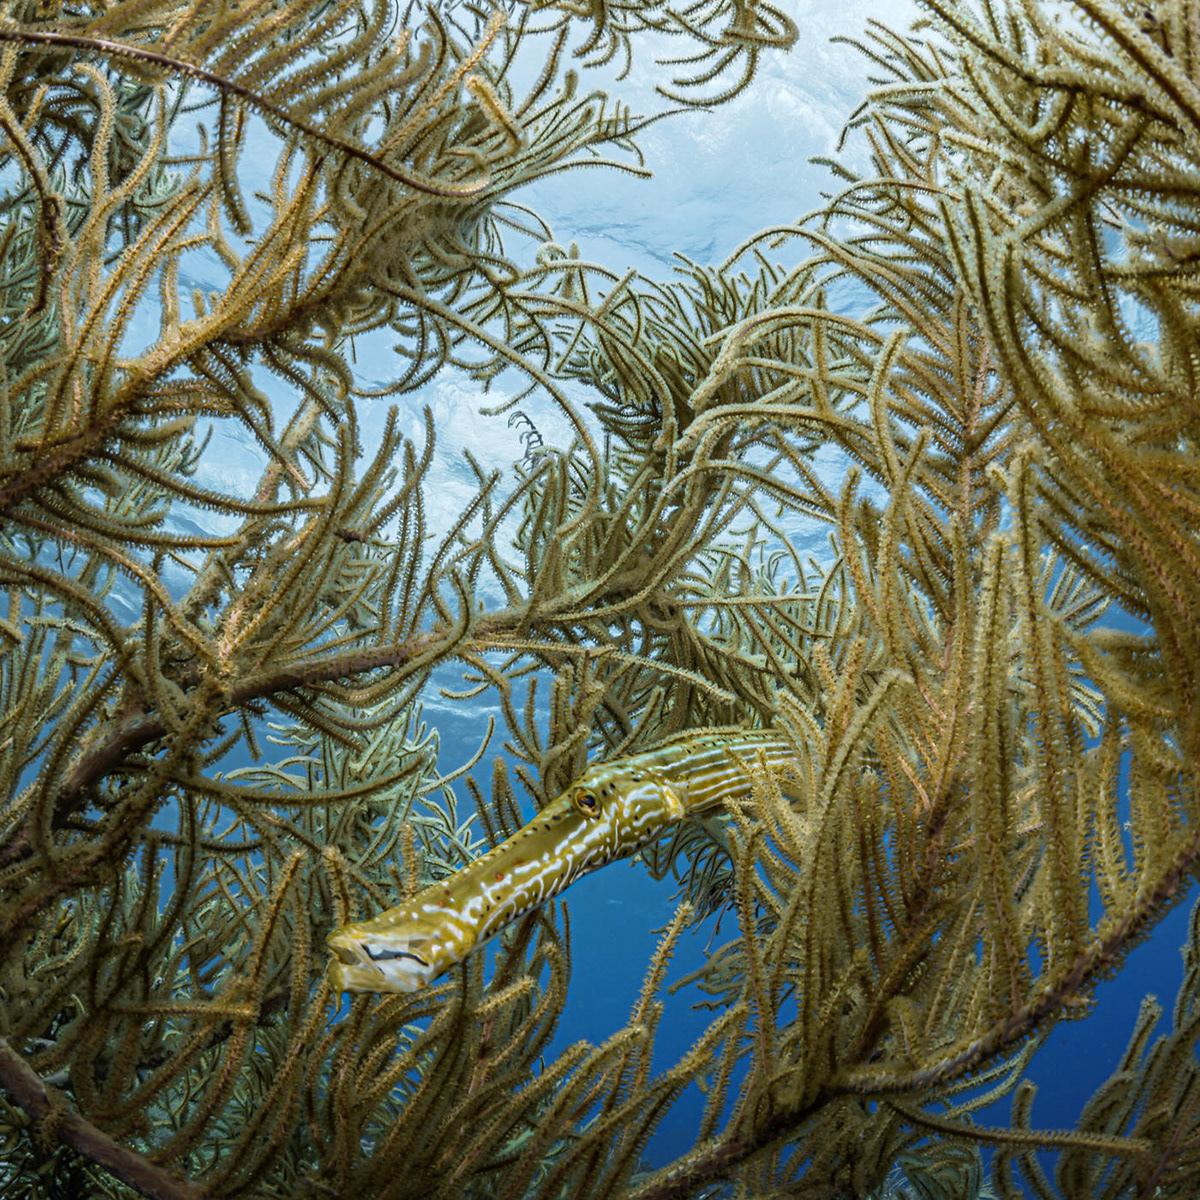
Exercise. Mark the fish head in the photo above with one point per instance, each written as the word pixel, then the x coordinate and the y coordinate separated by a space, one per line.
pixel 400 950
pixel 620 807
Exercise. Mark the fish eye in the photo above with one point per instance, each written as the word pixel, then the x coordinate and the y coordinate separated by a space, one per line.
pixel 586 803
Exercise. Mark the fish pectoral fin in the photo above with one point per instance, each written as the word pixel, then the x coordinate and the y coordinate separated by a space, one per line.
pixel 675 805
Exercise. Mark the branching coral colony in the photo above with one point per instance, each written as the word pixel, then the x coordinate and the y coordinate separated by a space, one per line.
pixel 210 736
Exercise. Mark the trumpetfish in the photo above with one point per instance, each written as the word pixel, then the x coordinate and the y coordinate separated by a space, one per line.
pixel 613 809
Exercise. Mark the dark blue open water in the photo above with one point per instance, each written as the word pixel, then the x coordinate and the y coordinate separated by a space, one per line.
pixel 616 917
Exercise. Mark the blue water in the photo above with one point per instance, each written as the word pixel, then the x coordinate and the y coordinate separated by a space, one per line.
pixel 617 916
pixel 616 919
pixel 721 176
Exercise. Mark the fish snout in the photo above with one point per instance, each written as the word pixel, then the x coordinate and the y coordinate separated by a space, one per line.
pixel 371 963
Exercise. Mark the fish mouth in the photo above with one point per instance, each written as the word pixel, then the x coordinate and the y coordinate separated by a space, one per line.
pixel 359 965
pixel 386 955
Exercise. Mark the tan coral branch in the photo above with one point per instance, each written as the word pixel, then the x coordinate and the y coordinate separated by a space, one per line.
pixel 47 1106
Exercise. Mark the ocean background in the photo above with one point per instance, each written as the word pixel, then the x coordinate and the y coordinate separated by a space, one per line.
pixel 719 177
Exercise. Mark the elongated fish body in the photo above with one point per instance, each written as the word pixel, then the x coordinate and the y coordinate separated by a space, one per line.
pixel 612 810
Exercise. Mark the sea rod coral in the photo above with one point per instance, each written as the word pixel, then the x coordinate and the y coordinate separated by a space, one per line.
pixel 214 744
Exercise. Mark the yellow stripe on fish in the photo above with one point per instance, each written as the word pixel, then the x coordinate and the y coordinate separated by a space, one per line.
pixel 610 811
